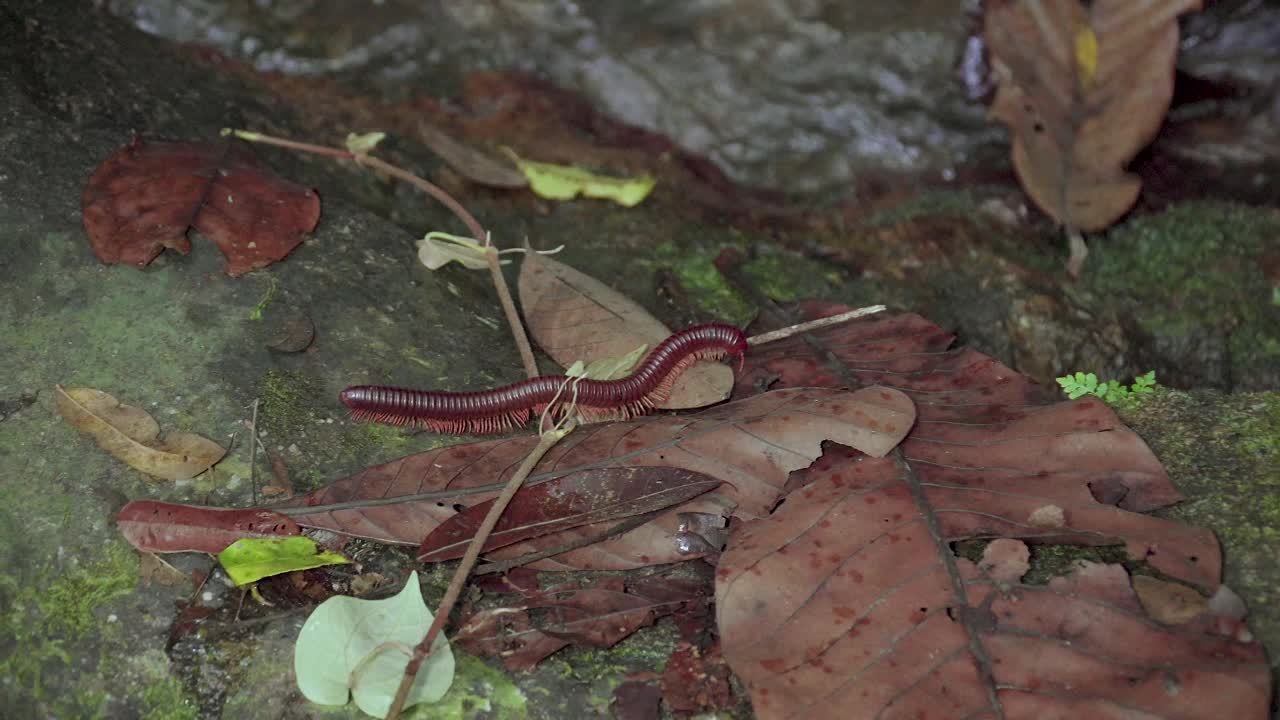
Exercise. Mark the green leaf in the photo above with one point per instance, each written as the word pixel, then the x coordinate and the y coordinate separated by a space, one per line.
pixel 362 144
pixel 360 647
pixel 250 559
pixel 561 182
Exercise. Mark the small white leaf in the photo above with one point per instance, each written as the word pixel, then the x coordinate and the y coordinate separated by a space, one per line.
pixel 342 631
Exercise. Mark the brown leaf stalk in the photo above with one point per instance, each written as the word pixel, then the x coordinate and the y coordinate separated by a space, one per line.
pixel 435 191
pixel 420 653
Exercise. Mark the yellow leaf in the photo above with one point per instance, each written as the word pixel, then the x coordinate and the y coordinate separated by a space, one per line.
pixel 561 182
pixel 132 436
pixel 1086 56
pixel 362 144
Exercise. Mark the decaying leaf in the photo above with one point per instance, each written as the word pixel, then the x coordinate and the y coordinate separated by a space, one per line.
pixel 561 182
pixel 590 496
pixel 849 600
pixel 572 316
pixel 750 446
pixel 132 436
pixel 143 198
pixel 598 616
pixel 248 560
pixel 1082 91
pixel 471 163
pixel 351 647
pixel 161 527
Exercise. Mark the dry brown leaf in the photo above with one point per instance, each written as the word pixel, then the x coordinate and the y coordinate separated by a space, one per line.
pixel 1168 602
pixel 471 163
pixel 573 316
pixel 1082 91
pixel 132 436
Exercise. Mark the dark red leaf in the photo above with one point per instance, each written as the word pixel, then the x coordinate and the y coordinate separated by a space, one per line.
pixel 155 526
pixel 143 198
pixel 584 497
pixel 600 616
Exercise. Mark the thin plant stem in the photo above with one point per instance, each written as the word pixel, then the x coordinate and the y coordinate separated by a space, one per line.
pixel 420 653
pixel 435 191
pixel 253 453
pixel 790 330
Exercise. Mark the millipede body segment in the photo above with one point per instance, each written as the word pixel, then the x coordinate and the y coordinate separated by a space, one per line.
pixel 499 409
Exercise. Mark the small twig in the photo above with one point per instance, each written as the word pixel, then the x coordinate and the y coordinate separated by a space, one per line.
pixel 786 332
pixel 253 454
pixel 509 309
pixel 444 198
pixel 420 653
pixel 626 525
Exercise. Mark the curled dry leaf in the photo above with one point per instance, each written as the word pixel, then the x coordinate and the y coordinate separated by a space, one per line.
pixel 1082 91
pixel 143 198
pixel 749 446
pixel 473 164
pixel 133 437
pixel 572 316
pixel 162 527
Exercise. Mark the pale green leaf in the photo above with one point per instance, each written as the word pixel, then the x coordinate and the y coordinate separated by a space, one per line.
pixel 437 249
pixel 561 182
pixel 610 368
pixel 362 144
pixel 361 647
pixel 250 559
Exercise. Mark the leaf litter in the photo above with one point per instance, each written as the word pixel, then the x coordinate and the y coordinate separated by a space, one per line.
pixel 143 198
pixel 848 601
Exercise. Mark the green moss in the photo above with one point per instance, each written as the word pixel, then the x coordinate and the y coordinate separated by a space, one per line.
pixel 787 276
pixel 164 697
pixel 287 401
pixel 1223 453
pixel 1191 269
pixel 40 621
pixel 476 688
pixel 698 276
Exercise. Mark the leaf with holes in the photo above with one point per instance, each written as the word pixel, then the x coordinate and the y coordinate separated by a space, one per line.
pixel 849 600
pixel 143 198
pixel 154 526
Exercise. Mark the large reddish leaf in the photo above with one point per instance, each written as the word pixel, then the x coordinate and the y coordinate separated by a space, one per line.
pixel 849 601
pixel 143 198
pixel 155 526
pixel 599 616
pixel 751 446
pixel 582 498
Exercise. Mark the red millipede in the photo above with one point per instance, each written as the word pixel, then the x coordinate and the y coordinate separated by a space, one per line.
pixel 499 409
